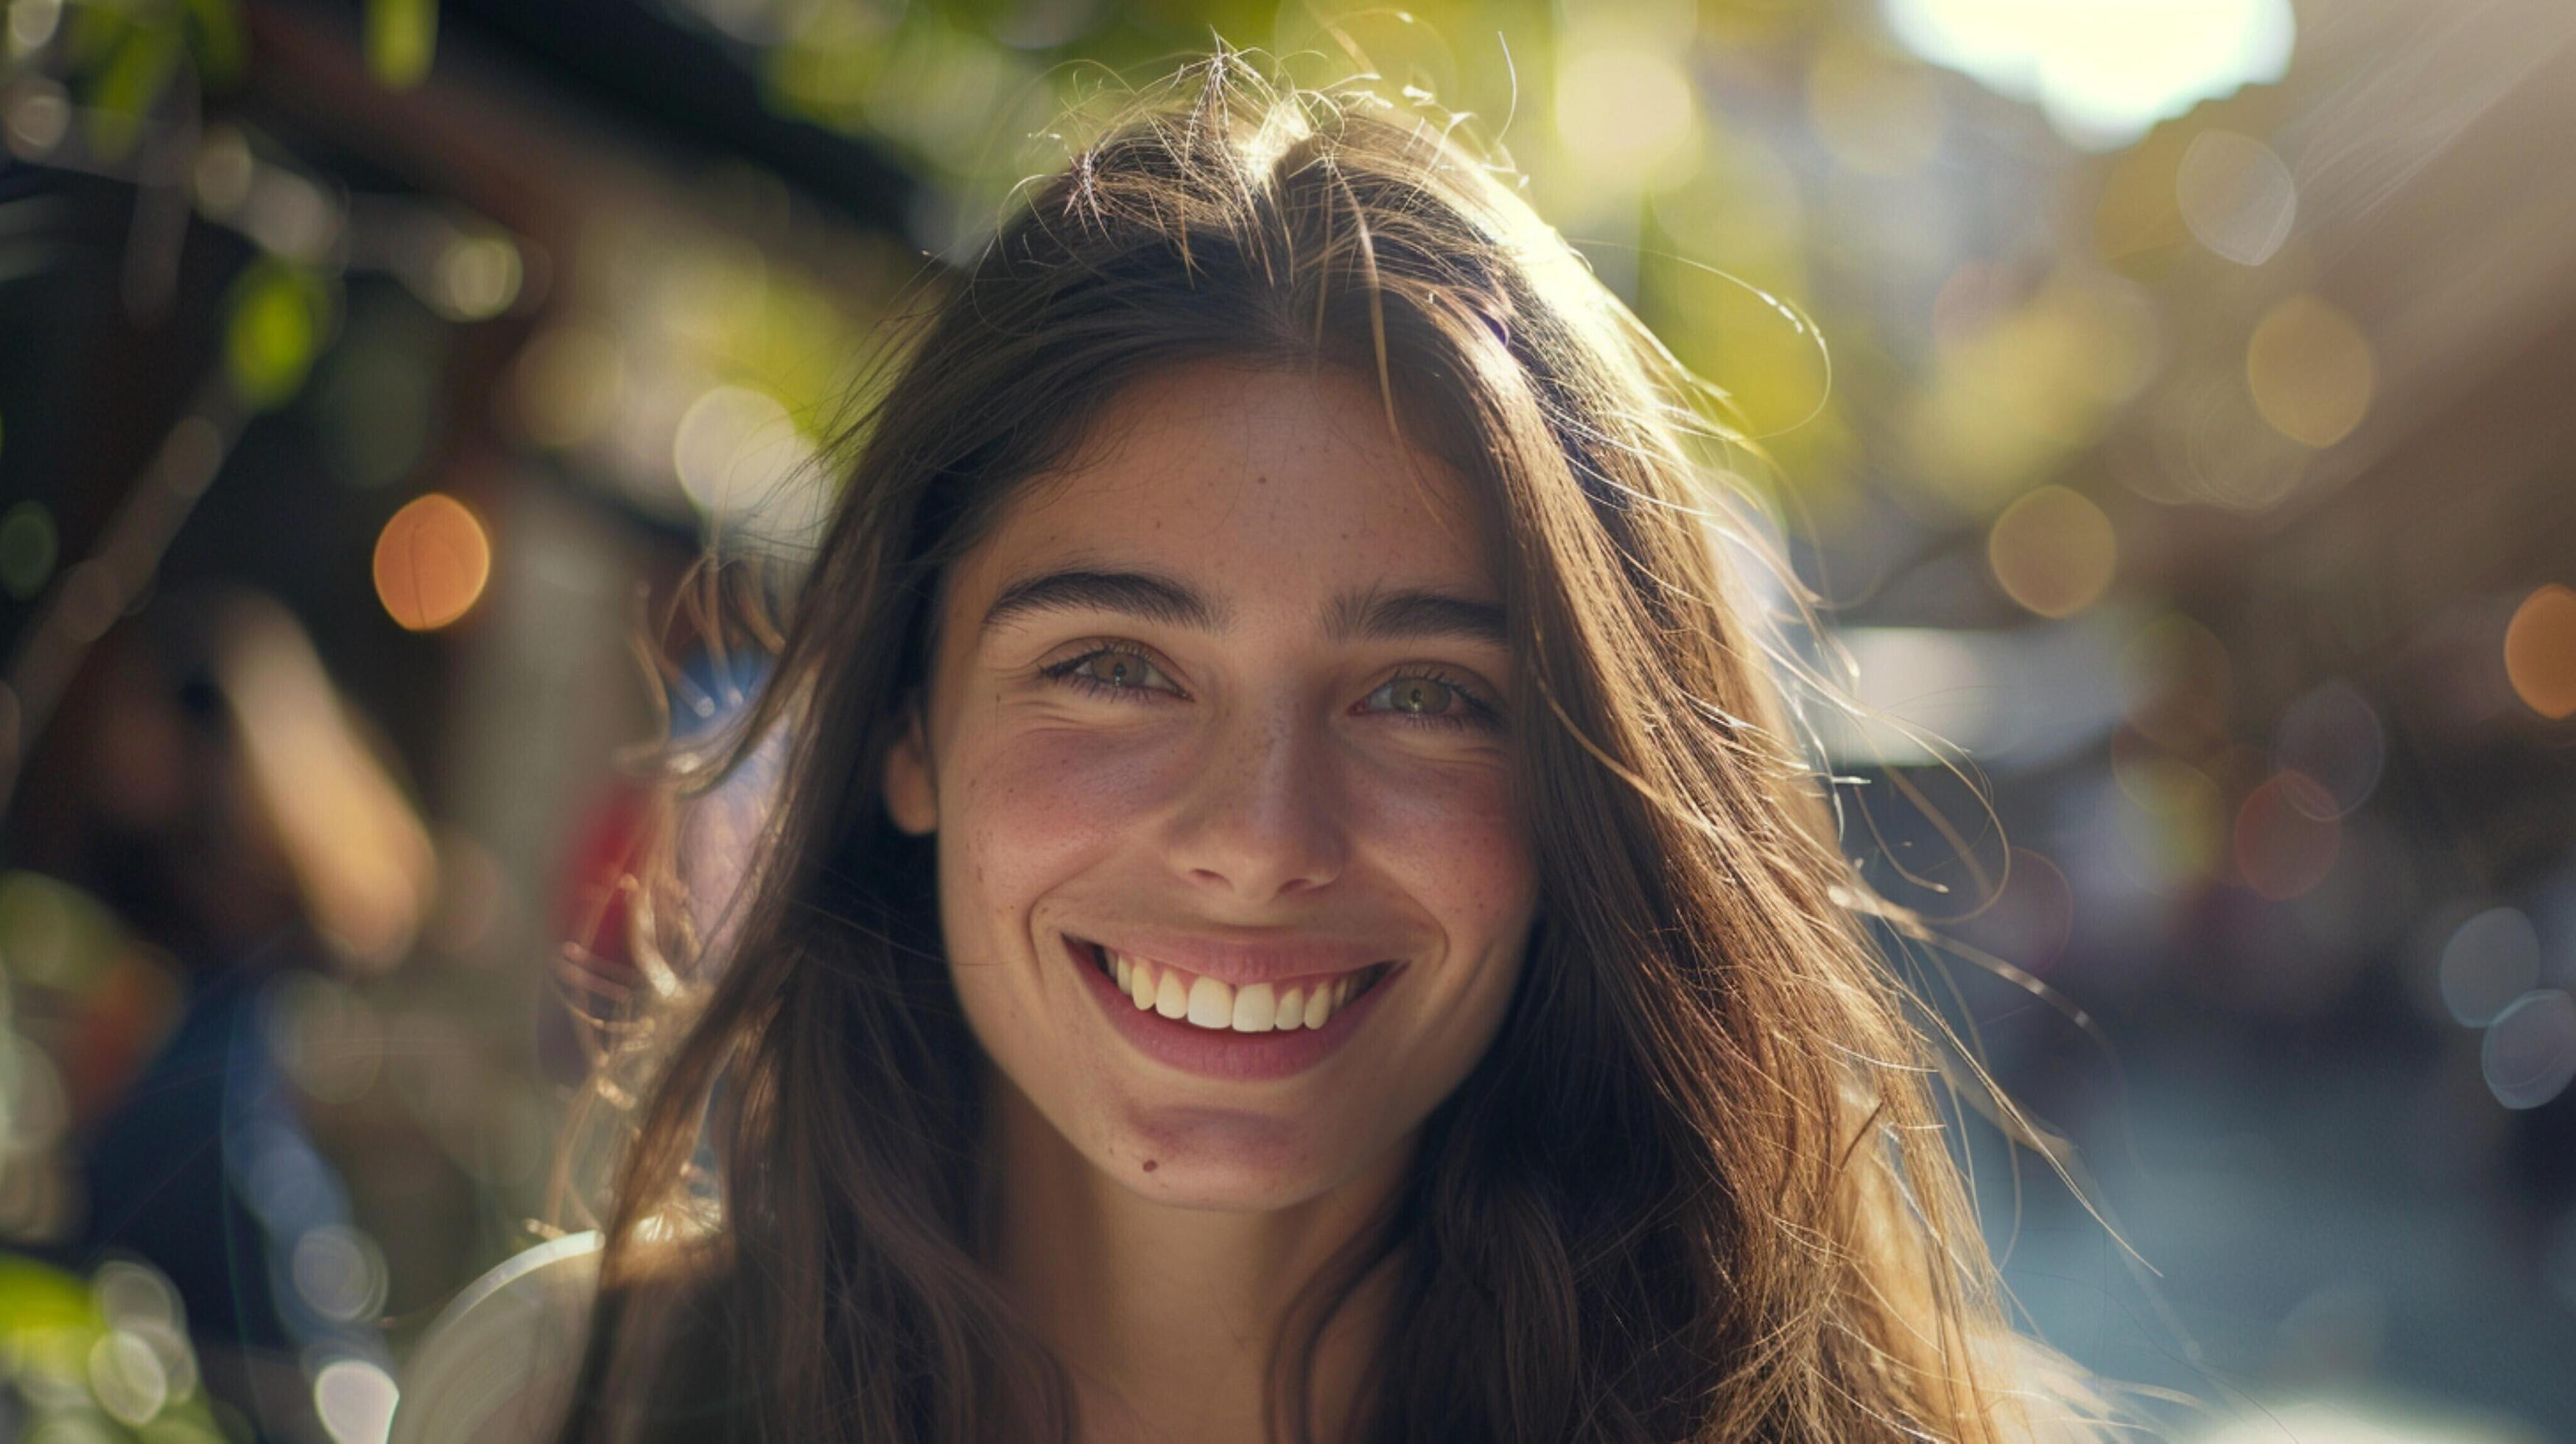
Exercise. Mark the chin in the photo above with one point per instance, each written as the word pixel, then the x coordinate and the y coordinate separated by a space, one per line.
pixel 1222 1159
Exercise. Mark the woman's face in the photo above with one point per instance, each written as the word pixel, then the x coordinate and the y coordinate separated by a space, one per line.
pixel 1213 743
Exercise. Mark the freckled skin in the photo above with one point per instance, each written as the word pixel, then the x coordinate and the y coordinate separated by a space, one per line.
pixel 1277 791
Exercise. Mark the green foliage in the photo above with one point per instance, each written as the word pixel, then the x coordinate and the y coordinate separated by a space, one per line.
pixel 123 89
pixel 80 1374
pixel 402 39
pixel 27 549
pixel 279 316
pixel 216 37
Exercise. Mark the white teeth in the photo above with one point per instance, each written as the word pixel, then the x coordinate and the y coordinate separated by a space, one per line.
pixel 1255 1008
pixel 1220 1006
pixel 1212 1003
pixel 1171 995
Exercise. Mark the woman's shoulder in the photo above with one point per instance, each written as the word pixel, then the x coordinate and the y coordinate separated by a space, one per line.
pixel 499 1363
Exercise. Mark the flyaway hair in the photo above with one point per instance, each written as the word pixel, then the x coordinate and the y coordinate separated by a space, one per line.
pixel 1698 1188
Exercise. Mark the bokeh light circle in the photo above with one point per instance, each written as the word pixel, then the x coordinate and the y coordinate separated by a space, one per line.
pixel 2530 1049
pixel 1627 110
pixel 129 1293
pixel 432 560
pixel 2053 551
pixel 2310 370
pixel 2332 737
pixel 126 1378
pixel 2236 196
pixel 355 1399
pixel 2540 651
pixel 340 1272
pixel 2286 836
pixel 2490 960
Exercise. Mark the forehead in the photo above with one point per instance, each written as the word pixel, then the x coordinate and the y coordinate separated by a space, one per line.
pixel 1270 488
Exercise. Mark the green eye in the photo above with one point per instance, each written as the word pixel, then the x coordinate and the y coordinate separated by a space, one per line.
pixel 1417 699
pixel 1421 695
pixel 1116 670
pixel 1434 702
pixel 1112 670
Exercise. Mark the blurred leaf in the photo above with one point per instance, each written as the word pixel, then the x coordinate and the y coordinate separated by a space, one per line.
pixel 56 1332
pixel 37 1297
pixel 28 548
pixel 402 38
pixel 828 66
pixel 222 46
pixel 124 89
pixel 93 35
pixel 278 317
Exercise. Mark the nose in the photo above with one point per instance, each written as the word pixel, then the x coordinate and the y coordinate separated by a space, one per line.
pixel 1263 817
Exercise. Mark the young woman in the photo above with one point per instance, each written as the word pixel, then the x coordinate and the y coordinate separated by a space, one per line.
pixel 1294 913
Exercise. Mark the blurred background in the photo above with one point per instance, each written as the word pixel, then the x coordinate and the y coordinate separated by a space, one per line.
pixel 2170 400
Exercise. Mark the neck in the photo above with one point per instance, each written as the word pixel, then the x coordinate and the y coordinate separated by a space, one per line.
pixel 1167 1316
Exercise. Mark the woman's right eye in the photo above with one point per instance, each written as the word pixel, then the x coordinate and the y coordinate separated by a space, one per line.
pixel 1110 670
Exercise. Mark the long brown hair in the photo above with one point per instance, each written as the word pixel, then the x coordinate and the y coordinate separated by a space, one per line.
pixel 1695 1190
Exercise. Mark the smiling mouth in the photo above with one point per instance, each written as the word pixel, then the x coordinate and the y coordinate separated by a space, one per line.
pixel 1221 1007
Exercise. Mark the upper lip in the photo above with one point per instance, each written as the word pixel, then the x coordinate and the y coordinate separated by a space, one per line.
pixel 1244 960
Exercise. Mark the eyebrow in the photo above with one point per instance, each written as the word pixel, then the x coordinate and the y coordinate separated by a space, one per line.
pixel 1368 614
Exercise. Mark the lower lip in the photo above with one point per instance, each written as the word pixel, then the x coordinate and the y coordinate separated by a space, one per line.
pixel 1210 1053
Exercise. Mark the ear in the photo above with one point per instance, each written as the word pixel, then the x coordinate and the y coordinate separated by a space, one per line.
pixel 911 795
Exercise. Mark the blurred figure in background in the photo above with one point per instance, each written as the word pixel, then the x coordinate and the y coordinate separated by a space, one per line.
pixel 204 780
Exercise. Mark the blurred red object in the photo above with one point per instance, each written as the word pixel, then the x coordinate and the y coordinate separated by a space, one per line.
pixel 593 913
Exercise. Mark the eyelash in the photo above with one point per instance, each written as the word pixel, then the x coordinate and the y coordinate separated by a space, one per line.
pixel 1476 712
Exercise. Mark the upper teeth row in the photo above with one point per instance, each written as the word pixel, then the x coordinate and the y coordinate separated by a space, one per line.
pixel 1210 1003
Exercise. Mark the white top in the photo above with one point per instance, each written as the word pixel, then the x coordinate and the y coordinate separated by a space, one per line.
pixel 499 1363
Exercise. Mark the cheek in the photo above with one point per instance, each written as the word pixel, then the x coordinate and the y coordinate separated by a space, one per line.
pixel 1027 812
pixel 1454 839
pixel 1458 846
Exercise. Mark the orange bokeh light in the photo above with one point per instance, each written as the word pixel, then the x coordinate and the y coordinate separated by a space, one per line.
pixel 432 560
pixel 2540 651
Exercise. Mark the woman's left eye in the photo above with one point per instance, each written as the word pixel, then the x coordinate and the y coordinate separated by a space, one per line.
pixel 1421 699
pixel 1429 701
